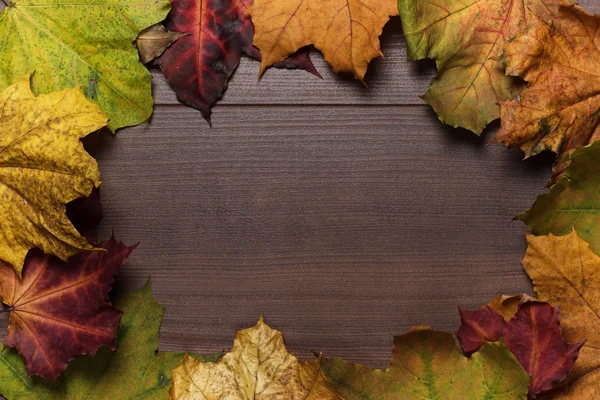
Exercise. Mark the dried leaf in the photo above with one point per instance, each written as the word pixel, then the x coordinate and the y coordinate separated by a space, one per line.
pixel 571 203
pixel 43 166
pixel 198 67
pixel 558 110
pixel 60 310
pixel 346 32
pixel 257 367
pixel 428 364
pixel 154 40
pixel 533 335
pixel 84 42
pixel 566 273
pixel 466 39
pixel 134 371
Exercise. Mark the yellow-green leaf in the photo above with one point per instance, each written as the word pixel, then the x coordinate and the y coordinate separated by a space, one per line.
pixel 428 365
pixel 83 42
pixel 43 166
pixel 258 367
pixel 466 39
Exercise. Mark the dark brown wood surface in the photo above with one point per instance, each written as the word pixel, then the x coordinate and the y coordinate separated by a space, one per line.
pixel 344 214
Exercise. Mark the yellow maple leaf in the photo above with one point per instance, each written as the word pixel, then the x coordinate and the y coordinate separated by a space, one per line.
pixel 345 31
pixel 566 273
pixel 43 166
pixel 257 367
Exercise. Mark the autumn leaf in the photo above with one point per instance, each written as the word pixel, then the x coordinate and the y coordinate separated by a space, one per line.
pixel 154 40
pixel 198 67
pixel 558 110
pixel 257 367
pixel 346 32
pixel 571 203
pixel 43 166
pixel 60 310
pixel 134 371
pixel 82 42
pixel 566 273
pixel 466 39
pixel 428 364
pixel 533 335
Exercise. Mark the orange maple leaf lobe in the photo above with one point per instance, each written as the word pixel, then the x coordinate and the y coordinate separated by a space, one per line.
pixel 61 309
pixel 559 110
pixel 345 31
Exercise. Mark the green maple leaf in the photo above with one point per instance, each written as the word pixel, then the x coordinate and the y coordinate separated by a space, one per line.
pixel 134 371
pixel 83 42
pixel 428 364
pixel 573 202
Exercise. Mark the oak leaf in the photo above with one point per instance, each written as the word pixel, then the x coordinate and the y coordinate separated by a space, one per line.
pixel 154 40
pixel 84 42
pixel 466 39
pixel 43 165
pixel 558 110
pixel 428 364
pixel 573 202
pixel 134 371
pixel 257 367
pixel 566 273
pixel 198 66
pixel 345 31
pixel 534 336
pixel 60 310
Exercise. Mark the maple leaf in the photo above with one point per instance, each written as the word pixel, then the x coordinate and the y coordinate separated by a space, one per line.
pixel 428 364
pixel 82 42
pixel 257 367
pixel 154 40
pixel 566 273
pixel 558 110
pixel 60 310
pixel 198 67
pixel 43 165
pixel 466 39
pixel 134 371
pixel 345 31
pixel 533 334
pixel 572 202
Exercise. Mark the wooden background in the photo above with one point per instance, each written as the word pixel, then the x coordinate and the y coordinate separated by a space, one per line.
pixel 344 214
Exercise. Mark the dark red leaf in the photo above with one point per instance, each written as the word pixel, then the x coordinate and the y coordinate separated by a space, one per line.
pixel 533 335
pixel 483 325
pixel 61 309
pixel 199 65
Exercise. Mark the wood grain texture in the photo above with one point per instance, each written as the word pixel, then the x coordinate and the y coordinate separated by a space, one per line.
pixel 344 214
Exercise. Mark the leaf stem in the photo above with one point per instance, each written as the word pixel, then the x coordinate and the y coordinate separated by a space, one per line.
pixel 7 2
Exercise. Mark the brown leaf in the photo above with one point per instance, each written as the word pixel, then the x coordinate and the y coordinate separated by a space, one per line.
pixel 154 40
pixel 558 110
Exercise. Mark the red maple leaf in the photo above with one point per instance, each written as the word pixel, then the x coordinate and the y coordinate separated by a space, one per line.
pixel 60 310
pixel 198 66
pixel 533 335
